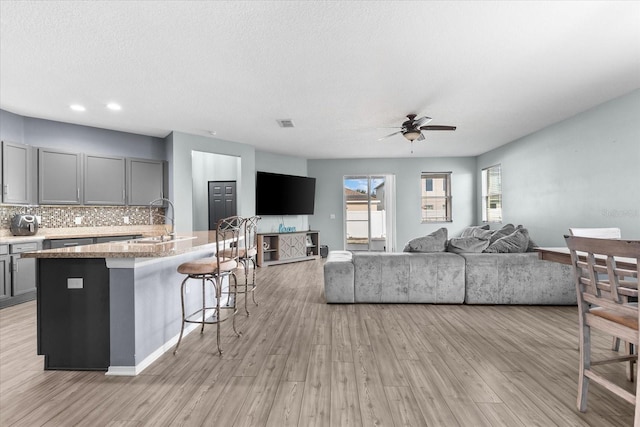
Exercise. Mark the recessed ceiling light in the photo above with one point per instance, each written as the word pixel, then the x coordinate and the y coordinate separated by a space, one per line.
pixel 113 106
pixel 77 107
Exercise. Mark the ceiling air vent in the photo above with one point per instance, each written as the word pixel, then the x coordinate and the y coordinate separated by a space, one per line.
pixel 285 123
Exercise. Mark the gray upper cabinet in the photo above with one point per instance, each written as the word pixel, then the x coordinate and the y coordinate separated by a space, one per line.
pixel 104 178
pixel 18 185
pixel 145 181
pixel 59 177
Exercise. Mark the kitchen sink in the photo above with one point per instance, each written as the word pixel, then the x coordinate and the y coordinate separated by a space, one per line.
pixel 159 240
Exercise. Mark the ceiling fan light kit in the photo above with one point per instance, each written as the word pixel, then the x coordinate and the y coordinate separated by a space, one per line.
pixel 412 129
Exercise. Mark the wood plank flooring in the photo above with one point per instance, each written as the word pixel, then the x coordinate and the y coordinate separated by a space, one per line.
pixel 302 362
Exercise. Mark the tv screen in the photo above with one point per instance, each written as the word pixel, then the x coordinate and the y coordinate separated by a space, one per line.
pixel 278 194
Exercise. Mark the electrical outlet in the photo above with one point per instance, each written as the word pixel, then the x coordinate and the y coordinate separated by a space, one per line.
pixel 125 219
pixel 78 220
pixel 39 219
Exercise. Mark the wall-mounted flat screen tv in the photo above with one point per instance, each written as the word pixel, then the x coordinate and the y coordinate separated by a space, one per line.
pixel 278 194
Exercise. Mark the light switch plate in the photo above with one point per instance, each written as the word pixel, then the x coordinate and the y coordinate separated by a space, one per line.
pixel 75 283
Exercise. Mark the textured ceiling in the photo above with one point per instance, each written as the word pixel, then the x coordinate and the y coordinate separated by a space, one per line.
pixel 342 71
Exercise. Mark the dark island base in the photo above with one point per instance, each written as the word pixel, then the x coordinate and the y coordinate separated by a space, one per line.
pixel 73 323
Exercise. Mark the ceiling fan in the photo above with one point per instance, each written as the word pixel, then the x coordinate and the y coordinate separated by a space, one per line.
pixel 412 129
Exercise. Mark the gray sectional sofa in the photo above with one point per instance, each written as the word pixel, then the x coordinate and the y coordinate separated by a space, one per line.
pixel 445 277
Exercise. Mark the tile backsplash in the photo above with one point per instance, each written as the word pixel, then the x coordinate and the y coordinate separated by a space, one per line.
pixel 91 216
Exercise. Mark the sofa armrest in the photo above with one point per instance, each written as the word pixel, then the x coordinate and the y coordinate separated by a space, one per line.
pixel 339 277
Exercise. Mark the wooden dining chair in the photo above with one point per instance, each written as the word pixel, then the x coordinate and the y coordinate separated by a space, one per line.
pixel 603 289
pixel 603 233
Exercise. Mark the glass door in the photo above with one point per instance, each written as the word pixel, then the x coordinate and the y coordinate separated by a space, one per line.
pixel 367 202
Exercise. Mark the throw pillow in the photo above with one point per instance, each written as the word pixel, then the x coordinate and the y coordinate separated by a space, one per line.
pixel 472 244
pixel 516 242
pixel 476 231
pixel 504 231
pixel 434 242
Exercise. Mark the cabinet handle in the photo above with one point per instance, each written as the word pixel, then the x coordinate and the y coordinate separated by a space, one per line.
pixel 6 189
pixel 123 195
pixel 78 192
pixel 70 244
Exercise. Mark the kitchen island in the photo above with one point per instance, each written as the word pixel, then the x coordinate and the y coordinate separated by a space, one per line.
pixel 113 306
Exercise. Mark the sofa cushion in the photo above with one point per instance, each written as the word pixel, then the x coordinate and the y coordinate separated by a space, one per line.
pixel 516 242
pixel 433 242
pixel 339 277
pixel 504 231
pixel 517 279
pixel 460 245
pixel 476 231
pixel 383 277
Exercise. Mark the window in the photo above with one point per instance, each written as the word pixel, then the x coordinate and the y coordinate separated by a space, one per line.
pixel 436 197
pixel 492 194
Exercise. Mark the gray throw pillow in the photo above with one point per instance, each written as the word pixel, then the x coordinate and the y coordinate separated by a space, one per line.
pixel 460 245
pixel 476 231
pixel 434 242
pixel 516 242
pixel 504 231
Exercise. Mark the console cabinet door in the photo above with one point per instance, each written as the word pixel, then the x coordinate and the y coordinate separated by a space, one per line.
pixel 145 181
pixel 59 177
pixel 17 173
pixel 292 246
pixel 104 180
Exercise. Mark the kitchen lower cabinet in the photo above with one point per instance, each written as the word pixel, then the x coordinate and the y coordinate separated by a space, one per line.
pixel 5 272
pixel 18 275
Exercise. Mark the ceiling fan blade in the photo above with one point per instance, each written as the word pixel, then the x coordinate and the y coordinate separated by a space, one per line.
pixel 437 127
pixel 422 121
pixel 391 134
pixel 421 137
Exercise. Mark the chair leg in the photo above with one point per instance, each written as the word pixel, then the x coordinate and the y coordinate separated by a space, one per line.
pixel 218 286
pixel 615 345
pixel 585 364
pixel 628 350
pixel 253 283
pixel 245 267
pixel 183 314
pixel 235 298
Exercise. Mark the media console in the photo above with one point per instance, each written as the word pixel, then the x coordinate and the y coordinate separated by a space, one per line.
pixel 281 248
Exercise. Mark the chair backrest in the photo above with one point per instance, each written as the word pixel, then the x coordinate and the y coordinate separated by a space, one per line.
pixel 599 233
pixel 251 233
pixel 599 280
pixel 227 238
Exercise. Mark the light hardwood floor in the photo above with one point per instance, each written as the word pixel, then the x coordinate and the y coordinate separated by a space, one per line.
pixel 303 362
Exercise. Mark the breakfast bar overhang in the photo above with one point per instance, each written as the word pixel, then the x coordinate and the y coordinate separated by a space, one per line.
pixel 113 306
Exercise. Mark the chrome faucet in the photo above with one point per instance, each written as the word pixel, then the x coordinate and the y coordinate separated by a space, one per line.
pixel 171 234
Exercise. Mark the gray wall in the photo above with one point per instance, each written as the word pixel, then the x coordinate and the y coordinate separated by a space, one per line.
pixel 180 146
pixel 276 163
pixel 209 167
pixel 85 139
pixel 329 194
pixel 581 172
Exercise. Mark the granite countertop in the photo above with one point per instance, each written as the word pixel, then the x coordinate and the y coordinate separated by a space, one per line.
pixel 79 232
pixel 142 248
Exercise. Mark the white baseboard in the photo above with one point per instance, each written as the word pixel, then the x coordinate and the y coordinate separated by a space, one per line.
pixel 131 371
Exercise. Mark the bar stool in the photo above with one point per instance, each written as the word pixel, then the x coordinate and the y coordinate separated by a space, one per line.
pixel 247 257
pixel 214 270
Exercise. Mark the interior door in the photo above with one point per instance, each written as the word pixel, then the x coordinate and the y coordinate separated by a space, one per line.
pixel 222 201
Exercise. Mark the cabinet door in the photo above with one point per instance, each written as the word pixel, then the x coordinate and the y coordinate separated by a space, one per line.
pixel 5 277
pixel 59 177
pixel 104 180
pixel 292 246
pixel 23 274
pixel 145 181
pixel 17 173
